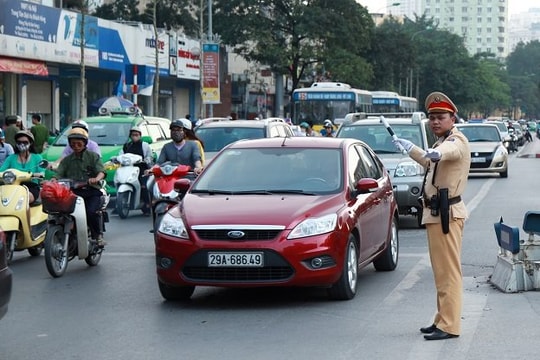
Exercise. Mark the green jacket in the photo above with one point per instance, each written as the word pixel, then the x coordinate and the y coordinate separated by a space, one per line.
pixel 81 167
pixel 41 135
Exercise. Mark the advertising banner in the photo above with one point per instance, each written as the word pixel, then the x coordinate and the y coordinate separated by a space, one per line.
pixel 32 31
pixel 210 64
pixel 189 58
pixel 19 66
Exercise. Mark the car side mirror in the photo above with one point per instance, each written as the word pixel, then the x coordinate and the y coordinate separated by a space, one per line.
pixel 147 139
pixel 181 186
pixel 366 185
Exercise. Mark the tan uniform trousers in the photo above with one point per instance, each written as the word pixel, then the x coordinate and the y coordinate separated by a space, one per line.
pixel 445 255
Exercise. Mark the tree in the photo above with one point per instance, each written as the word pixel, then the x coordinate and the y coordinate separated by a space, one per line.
pixel 172 15
pixel 524 77
pixel 299 37
pixel 119 10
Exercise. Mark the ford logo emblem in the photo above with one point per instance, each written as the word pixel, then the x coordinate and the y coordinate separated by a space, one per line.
pixel 236 234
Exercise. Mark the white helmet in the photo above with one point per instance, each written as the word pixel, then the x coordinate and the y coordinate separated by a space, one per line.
pixel 80 124
pixel 185 123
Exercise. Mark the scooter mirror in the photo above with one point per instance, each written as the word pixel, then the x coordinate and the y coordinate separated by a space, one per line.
pixel 43 164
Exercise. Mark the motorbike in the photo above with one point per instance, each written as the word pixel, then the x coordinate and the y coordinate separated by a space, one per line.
pixel 161 183
pixel 126 181
pixel 510 142
pixel 68 235
pixel 24 225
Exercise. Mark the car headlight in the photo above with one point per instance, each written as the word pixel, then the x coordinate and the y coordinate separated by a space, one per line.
pixel 408 168
pixel 173 226
pixel 314 226
pixel 501 151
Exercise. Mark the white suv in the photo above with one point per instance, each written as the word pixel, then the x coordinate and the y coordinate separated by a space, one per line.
pixel 407 175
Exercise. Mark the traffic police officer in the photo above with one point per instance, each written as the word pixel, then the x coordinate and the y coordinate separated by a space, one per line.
pixel 444 213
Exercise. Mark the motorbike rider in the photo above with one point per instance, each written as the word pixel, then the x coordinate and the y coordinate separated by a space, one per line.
pixel 85 165
pixel 135 145
pixel 180 151
pixel 92 145
pixel 25 159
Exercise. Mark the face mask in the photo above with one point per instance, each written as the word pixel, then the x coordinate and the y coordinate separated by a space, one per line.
pixel 177 136
pixel 23 147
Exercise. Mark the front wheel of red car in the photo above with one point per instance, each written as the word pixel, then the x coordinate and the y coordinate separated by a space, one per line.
pixel 345 287
pixel 175 293
pixel 388 260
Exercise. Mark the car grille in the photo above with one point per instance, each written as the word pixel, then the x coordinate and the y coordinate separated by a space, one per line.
pixel 276 269
pixel 238 274
pixel 482 165
pixel 252 235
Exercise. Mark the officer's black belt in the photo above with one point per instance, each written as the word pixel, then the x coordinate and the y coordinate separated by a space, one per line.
pixel 451 201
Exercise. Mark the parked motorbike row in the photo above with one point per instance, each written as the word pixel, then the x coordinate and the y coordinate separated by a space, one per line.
pixel 58 225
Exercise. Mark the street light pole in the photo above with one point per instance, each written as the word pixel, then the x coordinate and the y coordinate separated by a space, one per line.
pixel 411 71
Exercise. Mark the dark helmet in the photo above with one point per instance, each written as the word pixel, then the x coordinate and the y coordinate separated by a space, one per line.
pixel 26 133
pixel 78 133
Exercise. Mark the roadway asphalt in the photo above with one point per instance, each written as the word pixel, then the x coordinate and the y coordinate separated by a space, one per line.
pixel 530 149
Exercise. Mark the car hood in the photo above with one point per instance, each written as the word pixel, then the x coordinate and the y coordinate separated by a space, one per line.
pixel 391 161
pixel 483 147
pixel 286 209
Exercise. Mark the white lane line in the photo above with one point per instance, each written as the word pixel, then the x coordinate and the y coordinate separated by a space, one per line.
pixel 484 190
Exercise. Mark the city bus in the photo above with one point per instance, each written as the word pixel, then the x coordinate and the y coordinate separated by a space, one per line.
pixel 392 102
pixel 328 100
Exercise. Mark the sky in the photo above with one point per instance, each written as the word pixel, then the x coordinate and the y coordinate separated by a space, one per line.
pixel 514 6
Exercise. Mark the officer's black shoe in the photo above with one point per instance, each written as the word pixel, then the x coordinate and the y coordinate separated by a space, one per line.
pixel 440 335
pixel 428 329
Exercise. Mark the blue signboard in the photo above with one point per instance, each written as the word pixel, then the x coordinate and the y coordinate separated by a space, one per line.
pixel 112 54
pixel 323 95
pixel 385 101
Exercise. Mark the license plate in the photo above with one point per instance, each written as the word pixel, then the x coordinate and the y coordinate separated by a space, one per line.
pixel 236 259
pixel 478 159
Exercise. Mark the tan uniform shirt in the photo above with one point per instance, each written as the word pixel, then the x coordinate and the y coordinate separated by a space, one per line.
pixel 452 172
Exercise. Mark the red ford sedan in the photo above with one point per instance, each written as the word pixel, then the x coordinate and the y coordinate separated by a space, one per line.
pixel 301 211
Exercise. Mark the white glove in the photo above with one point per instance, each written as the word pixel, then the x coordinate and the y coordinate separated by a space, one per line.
pixel 403 144
pixel 433 155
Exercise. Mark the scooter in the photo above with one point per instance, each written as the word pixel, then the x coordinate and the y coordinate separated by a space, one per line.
pixel 68 235
pixel 161 183
pixel 24 225
pixel 126 181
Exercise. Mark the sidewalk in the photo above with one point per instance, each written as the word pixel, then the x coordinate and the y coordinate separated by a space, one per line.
pixel 530 149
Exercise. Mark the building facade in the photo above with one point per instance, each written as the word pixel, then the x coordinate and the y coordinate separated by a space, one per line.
pixel 483 24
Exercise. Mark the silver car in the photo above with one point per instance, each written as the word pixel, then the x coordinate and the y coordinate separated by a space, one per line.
pixel 407 175
pixel 488 154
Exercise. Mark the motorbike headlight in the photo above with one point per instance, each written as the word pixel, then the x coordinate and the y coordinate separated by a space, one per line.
pixel 9 177
pixel 314 226
pixel 408 168
pixel 173 226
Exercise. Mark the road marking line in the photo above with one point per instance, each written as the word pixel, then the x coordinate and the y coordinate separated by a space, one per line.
pixel 471 205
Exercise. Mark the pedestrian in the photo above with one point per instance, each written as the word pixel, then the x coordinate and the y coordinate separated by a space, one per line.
pixel 11 129
pixel 5 148
pixel 444 212
pixel 328 128
pixel 40 132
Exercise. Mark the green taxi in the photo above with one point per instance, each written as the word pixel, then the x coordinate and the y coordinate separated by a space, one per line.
pixel 111 132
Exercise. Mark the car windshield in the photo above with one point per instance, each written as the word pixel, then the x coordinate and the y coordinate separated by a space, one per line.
pixel 103 133
pixel 307 171
pixel 481 133
pixel 378 138
pixel 216 138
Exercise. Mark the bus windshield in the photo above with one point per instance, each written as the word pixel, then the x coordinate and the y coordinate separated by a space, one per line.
pixel 330 101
